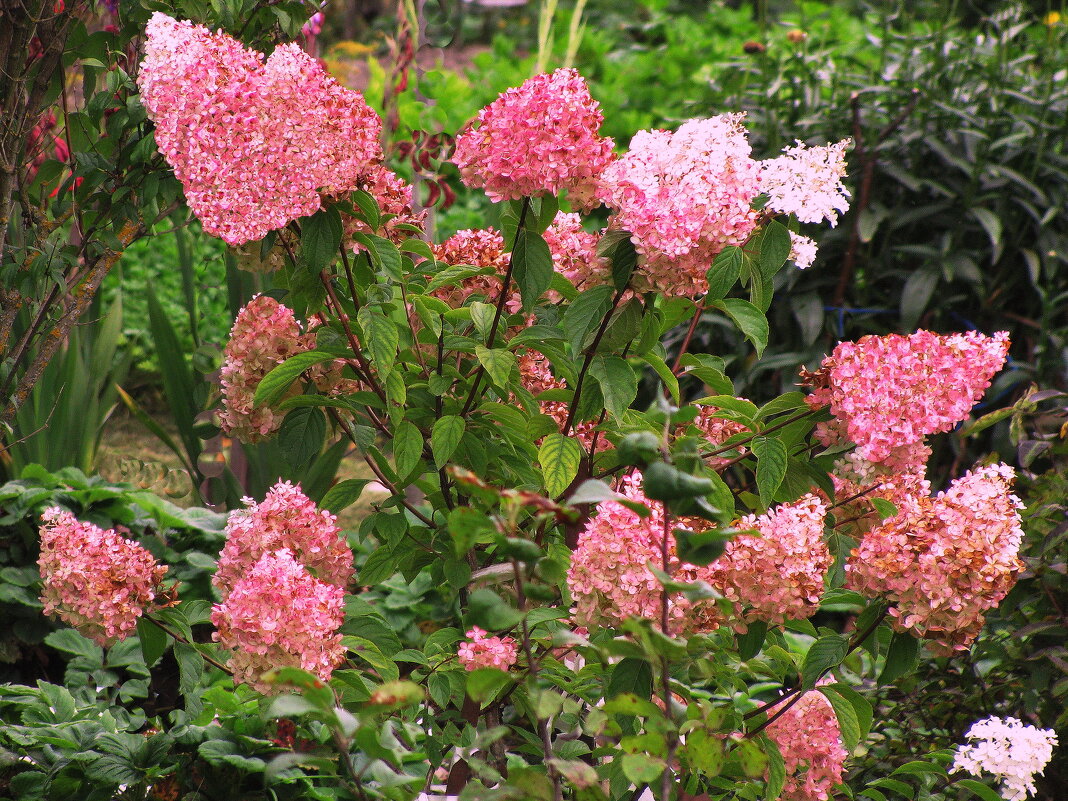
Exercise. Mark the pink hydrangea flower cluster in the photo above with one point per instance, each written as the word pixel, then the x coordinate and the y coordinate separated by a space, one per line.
pixel 807 182
pixel 608 578
pixel 890 391
pixel 255 143
pixel 535 139
pixel 811 743
pixel 1010 750
pixel 264 335
pixel 684 197
pixel 279 615
pixel 942 562
pixel 285 519
pixel 574 252
pixel 482 651
pixel 97 581
pixel 777 574
pixel 476 247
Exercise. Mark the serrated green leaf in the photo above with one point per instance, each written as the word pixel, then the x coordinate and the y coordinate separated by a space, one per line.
pixel 618 382
pixel 320 237
pixel 560 458
pixel 901 657
pixel 153 641
pixel 723 273
pixel 585 313
pixel 499 364
pixel 277 382
pixel 445 437
pixel 749 319
pixel 774 244
pixel 772 459
pixel 302 435
pixel 407 448
pixel 381 338
pixel 664 373
pixel 532 267
pixel 825 653
pixel 847 717
pixel 343 494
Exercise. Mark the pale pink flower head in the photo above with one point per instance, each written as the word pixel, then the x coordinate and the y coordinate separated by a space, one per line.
pixel 610 580
pixel 574 252
pixel 802 250
pixel 807 182
pixel 279 615
pixel 540 138
pixel 1010 750
pixel 285 519
pixel 264 335
pixel 810 739
pixel 255 143
pixel 97 581
pixel 483 651
pixel 890 391
pixel 684 197
pixel 778 574
pixel 942 562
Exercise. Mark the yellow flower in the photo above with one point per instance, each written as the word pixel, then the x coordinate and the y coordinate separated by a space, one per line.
pixel 1052 18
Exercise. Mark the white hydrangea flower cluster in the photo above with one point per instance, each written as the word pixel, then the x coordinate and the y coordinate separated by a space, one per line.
pixel 1010 750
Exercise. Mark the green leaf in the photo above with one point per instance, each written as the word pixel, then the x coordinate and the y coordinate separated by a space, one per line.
pixel 499 364
pixel 407 448
pixel 75 643
pixel 916 294
pixel 901 657
pixel 750 643
pixel 381 337
pixel 370 653
pixel 704 752
pixel 884 507
pixel 302 435
pixel 276 383
pixel 774 244
pixel 861 707
pixel 560 457
pixel 445 437
pixel 749 319
pixel 752 759
pixel 153 641
pixel 532 267
pixel 723 273
pixel 484 684
pixel 664 373
pixel 490 612
pixel 642 768
pixel 771 457
pixel 847 717
pixel 631 675
pixel 584 315
pixel 618 248
pixel 825 653
pixel 776 770
pixel 320 238
pixel 466 526
pixel 343 494
pixel 979 789
pixel 618 381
